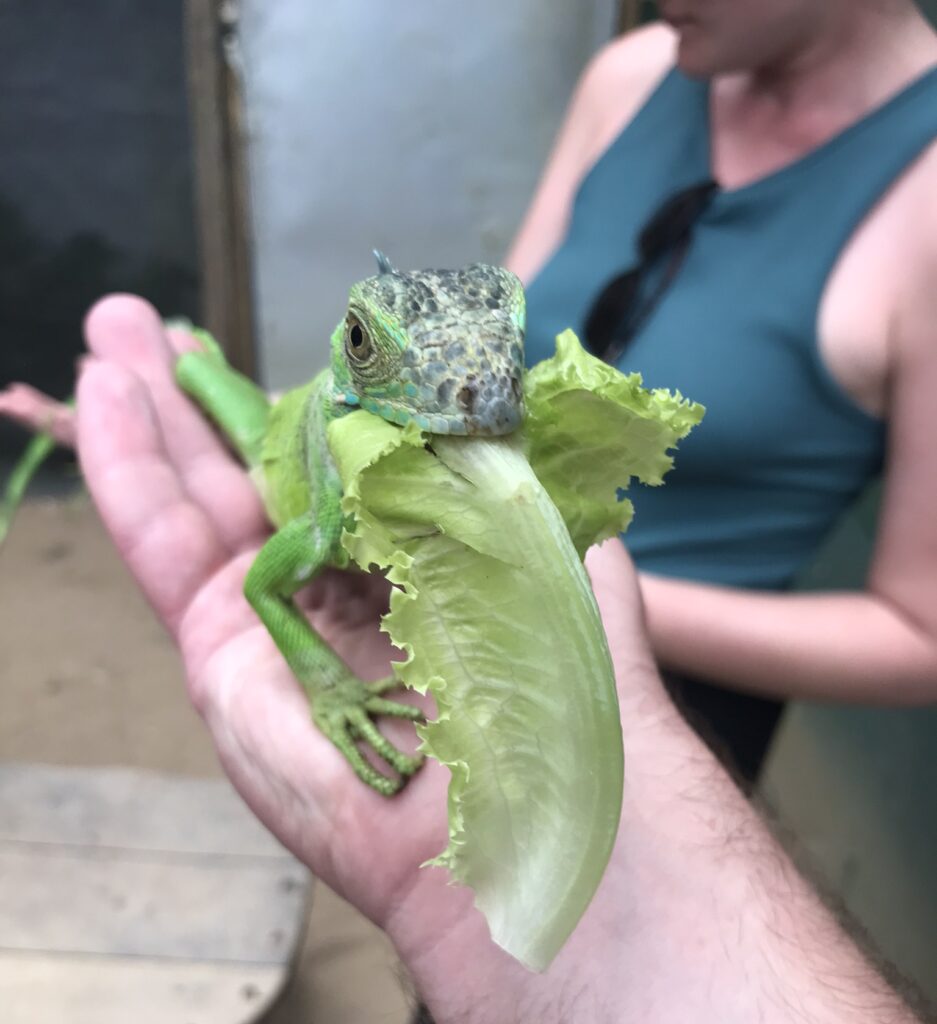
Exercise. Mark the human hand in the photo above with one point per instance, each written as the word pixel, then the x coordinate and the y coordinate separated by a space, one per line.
pixel 692 872
pixel 188 522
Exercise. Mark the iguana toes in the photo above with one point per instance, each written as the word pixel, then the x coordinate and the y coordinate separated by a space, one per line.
pixel 442 349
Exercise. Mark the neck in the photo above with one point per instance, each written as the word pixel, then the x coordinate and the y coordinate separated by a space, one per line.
pixel 855 56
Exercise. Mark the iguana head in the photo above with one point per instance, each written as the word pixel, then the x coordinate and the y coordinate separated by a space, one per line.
pixel 443 349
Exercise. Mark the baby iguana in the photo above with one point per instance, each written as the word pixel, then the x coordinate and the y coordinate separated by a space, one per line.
pixel 442 349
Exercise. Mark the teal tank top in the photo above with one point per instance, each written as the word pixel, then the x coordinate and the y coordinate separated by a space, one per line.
pixel 782 450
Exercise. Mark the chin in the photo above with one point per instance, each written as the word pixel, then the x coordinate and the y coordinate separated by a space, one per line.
pixel 693 67
pixel 697 60
pixel 694 57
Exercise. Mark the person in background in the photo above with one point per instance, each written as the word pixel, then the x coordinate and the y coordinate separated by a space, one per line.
pixel 741 205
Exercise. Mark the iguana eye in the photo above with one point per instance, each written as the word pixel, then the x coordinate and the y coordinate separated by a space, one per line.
pixel 357 340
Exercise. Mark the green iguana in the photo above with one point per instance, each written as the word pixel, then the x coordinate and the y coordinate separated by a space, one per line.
pixel 437 348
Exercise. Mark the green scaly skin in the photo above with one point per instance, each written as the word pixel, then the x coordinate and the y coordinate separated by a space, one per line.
pixel 441 349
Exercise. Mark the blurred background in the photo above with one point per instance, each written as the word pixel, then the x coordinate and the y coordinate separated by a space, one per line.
pixel 236 163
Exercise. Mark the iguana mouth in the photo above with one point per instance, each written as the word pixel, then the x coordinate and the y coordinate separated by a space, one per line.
pixel 476 403
pixel 492 405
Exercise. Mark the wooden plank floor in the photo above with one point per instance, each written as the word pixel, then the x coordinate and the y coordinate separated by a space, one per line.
pixel 89 678
pixel 128 895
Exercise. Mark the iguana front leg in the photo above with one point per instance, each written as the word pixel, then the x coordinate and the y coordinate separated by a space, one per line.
pixel 342 704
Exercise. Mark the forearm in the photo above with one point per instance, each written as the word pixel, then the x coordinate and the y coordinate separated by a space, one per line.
pixel 726 929
pixel 700 917
pixel 836 646
pixel 752 935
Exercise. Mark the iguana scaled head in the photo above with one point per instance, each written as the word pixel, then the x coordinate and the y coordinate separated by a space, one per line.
pixel 443 349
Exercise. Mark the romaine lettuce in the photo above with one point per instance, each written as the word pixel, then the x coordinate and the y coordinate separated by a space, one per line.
pixel 483 539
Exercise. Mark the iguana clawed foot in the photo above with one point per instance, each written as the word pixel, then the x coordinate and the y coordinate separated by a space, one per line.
pixel 345 712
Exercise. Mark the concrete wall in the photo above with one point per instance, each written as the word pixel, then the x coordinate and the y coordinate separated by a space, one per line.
pixel 857 787
pixel 416 128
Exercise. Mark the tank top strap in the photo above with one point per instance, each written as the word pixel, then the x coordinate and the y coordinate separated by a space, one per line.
pixel 813 206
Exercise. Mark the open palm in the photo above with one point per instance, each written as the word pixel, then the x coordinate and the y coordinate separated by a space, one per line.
pixel 188 522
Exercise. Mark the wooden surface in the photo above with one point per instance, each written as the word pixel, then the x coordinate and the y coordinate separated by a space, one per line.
pixel 222 201
pixel 88 677
pixel 128 895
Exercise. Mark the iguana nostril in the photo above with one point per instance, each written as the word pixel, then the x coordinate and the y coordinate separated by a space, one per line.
pixel 466 397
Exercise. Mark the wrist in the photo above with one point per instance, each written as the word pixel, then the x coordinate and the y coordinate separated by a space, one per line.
pixel 456 969
pixel 700 915
pixel 625 948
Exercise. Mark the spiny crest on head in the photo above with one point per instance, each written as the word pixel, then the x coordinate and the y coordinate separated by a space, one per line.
pixel 384 266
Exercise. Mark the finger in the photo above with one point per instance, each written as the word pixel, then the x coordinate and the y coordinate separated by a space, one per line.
pixel 641 694
pixel 181 341
pixel 127 331
pixel 613 579
pixel 38 412
pixel 169 542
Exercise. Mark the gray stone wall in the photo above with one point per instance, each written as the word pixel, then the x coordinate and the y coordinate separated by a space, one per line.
pixel 418 128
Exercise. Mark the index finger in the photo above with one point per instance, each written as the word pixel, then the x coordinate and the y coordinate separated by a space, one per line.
pixel 127 331
pixel 169 542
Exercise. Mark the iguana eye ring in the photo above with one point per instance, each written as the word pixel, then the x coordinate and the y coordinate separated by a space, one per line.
pixel 357 340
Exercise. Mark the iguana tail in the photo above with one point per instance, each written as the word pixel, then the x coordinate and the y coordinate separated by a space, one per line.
pixel 37 451
pixel 234 402
pixel 237 406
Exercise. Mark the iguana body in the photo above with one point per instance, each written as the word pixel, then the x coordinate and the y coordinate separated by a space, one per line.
pixel 440 349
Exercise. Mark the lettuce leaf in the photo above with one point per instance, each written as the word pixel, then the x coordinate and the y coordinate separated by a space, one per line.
pixel 494 611
pixel 590 429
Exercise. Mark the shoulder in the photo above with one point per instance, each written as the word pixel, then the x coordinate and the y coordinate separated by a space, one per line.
pixel 637 56
pixel 619 78
pixel 611 89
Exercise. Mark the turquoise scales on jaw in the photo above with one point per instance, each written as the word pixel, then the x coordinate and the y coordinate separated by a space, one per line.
pixel 459 334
